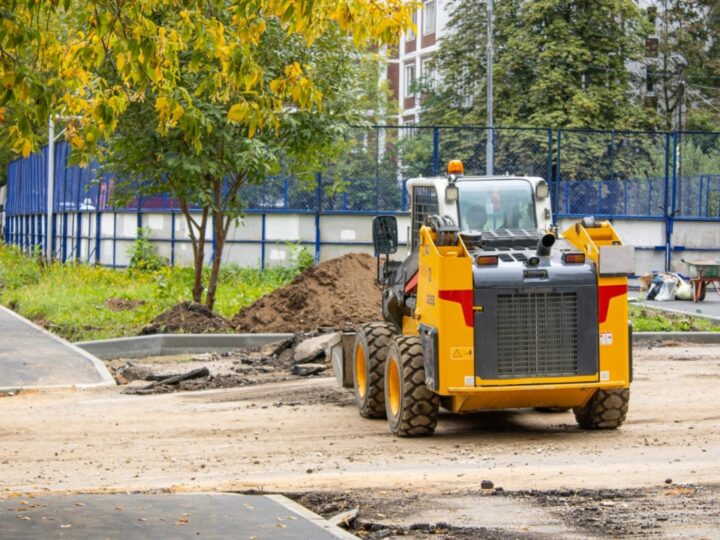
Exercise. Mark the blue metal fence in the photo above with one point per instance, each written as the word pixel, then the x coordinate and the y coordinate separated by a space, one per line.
pixel 607 173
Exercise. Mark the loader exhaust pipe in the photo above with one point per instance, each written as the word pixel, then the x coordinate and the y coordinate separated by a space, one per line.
pixel 545 244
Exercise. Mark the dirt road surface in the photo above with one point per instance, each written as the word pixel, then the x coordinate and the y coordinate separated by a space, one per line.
pixel 658 475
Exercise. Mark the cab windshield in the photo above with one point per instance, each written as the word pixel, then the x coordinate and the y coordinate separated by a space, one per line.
pixel 487 205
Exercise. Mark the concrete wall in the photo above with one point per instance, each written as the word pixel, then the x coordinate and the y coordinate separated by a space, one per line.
pixel 273 235
pixel 270 238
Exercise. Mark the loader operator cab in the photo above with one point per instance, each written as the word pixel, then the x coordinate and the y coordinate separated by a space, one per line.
pixel 479 203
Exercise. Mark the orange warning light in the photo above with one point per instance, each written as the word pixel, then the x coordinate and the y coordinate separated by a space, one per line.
pixel 456 167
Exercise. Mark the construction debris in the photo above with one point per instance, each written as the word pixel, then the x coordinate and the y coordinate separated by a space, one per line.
pixel 273 362
pixel 313 348
pixel 176 379
pixel 305 370
pixel 344 519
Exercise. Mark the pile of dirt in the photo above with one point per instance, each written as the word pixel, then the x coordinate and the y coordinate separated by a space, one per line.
pixel 339 293
pixel 187 318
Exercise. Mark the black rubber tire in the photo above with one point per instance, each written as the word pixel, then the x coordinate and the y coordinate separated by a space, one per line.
pixel 374 339
pixel 606 409
pixel 418 408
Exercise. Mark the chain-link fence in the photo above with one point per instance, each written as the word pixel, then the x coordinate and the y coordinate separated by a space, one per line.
pixel 612 173
pixel 607 173
pixel 697 187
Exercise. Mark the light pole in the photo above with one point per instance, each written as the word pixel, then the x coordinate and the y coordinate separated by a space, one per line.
pixel 49 229
pixel 489 149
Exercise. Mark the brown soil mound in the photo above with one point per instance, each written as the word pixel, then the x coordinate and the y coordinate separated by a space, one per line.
pixel 339 293
pixel 187 318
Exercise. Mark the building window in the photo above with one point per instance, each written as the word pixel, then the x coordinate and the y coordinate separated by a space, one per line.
pixel 652 15
pixel 410 36
pixel 408 130
pixel 427 73
pixel 652 45
pixel 429 17
pixel 650 78
pixel 409 80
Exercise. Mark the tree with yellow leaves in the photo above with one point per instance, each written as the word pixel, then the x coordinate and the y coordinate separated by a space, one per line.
pixel 193 98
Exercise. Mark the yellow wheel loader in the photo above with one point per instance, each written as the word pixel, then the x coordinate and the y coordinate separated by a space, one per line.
pixel 494 309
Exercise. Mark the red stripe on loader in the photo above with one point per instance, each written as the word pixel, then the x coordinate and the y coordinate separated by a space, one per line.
pixel 465 299
pixel 605 294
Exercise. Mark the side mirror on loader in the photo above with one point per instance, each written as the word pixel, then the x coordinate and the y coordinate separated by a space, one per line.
pixel 385 235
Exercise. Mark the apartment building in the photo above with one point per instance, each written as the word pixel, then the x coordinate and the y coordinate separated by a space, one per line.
pixel 411 61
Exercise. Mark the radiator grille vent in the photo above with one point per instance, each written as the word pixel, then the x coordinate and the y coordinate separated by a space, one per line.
pixel 537 335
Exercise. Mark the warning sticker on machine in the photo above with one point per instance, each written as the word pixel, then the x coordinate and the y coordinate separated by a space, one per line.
pixel 606 338
pixel 461 353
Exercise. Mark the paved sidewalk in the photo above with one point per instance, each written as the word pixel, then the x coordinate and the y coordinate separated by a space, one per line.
pixel 31 357
pixel 177 516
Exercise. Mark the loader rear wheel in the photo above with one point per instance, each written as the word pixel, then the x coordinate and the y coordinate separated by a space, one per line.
pixel 607 409
pixel 371 345
pixel 412 409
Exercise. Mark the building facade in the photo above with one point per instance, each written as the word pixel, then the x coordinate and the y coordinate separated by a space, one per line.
pixel 410 63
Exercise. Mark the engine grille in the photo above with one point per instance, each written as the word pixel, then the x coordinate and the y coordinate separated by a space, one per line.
pixel 537 335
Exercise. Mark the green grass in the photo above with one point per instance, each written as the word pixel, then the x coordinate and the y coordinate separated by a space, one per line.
pixel 69 299
pixel 654 320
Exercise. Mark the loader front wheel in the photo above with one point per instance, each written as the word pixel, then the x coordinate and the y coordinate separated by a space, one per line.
pixel 606 409
pixel 371 345
pixel 412 409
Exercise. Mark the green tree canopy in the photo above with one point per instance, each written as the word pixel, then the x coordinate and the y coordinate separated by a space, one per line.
pixel 193 98
pixel 688 63
pixel 557 63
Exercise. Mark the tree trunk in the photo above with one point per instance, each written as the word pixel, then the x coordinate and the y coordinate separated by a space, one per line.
pixel 197 239
pixel 220 230
pixel 199 259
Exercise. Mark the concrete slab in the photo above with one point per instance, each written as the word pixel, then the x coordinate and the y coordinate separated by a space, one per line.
pixel 172 344
pixel 31 357
pixel 180 516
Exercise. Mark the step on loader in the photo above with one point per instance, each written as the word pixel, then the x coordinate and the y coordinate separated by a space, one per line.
pixel 493 308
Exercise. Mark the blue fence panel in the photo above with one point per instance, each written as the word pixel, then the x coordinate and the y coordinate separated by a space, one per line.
pixel 697 193
pixel 612 174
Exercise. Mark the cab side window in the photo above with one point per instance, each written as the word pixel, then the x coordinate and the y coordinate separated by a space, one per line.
pixel 424 203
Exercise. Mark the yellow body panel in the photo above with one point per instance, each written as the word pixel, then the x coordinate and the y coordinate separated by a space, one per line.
pixel 447 272
pixel 445 269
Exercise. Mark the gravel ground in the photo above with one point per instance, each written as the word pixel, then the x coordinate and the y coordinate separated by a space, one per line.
pixel 657 476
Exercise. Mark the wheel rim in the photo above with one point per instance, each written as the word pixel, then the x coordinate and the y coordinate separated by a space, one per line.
pixel 360 371
pixel 393 383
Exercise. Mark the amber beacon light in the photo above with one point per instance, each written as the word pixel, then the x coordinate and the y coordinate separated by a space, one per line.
pixel 456 167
